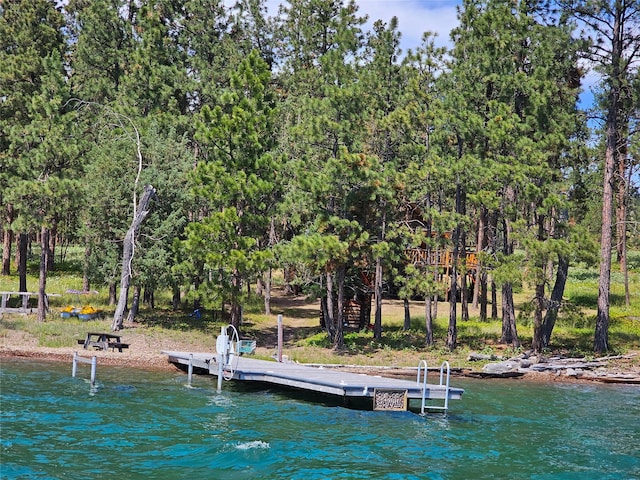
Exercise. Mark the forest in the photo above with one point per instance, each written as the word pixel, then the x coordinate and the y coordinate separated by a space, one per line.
pixel 199 146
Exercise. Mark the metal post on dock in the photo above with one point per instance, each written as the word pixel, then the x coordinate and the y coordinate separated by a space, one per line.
pixel 279 338
pixel 74 368
pixel 190 371
pixel 94 363
pixel 222 349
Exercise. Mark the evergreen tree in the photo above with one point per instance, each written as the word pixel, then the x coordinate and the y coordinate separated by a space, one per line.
pixel 512 132
pixel 234 183
pixel 320 41
pixel 614 52
pixel 38 178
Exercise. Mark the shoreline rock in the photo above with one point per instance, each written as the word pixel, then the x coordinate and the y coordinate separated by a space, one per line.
pixel 575 368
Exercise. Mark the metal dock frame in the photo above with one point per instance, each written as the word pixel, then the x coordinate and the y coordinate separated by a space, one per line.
pixel 78 359
pixel 423 364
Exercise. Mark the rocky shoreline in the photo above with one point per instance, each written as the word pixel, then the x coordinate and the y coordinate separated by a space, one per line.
pixel 610 369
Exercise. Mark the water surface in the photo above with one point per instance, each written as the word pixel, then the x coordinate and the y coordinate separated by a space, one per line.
pixel 136 424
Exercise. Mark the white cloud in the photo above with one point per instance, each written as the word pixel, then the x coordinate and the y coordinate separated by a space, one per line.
pixel 414 18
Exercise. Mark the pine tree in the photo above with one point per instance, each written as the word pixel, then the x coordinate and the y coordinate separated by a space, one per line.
pixel 234 184
pixel 320 41
pixel 615 50
pixel 39 178
pixel 511 135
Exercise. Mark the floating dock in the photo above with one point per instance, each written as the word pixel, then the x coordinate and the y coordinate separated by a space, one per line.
pixel 381 393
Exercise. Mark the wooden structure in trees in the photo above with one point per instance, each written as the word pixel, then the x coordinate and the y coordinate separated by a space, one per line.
pixel 21 306
pixel 356 315
pixel 440 262
pixel 443 259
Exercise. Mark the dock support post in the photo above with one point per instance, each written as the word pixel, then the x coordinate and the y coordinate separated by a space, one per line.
pixel 220 360
pixel 279 338
pixel 74 368
pixel 94 362
pixel 190 371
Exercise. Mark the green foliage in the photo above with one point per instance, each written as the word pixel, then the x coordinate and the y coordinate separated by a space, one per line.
pixel 305 142
pixel 233 185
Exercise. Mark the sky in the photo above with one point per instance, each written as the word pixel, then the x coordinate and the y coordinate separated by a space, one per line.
pixel 414 17
pixel 418 16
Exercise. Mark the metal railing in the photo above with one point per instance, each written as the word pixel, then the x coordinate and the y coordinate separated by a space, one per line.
pixel 444 382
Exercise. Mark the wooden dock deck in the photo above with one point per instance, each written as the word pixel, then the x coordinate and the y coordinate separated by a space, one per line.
pixel 322 380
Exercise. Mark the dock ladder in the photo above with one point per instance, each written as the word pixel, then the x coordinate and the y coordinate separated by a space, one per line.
pixel 443 383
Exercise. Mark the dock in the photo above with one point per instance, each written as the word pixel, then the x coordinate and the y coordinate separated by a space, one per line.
pixel 381 393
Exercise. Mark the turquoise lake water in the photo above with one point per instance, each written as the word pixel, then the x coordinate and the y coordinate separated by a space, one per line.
pixel 136 424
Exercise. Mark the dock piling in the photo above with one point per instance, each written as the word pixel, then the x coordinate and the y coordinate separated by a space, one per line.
pixel 280 338
pixel 78 359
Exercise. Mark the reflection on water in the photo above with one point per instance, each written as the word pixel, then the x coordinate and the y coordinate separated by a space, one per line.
pixel 137 424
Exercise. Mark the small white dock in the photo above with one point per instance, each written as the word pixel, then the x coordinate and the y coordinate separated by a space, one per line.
pixel 323 380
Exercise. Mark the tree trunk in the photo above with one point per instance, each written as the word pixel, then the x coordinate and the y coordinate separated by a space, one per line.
pixel 86 283
pixel 407 315
pixel 329 319
pixel 494 300
pixel 542 336
pixel 492 243
pixel 338 341
pixel 539 299
pixel 464 290
pixel 149 297
pixel 364 299
pixel 42 284
pixel 621 222
pixel 621 199
pixel 377 326
pixel 480 245
pixel 324 315
pixel 23 240
pixel 483 297
pixel 428 320
pixel 601 336
pixel 452 333
pixel 112 293
pixel 128 248
pixel 539 305
pixel 135 304
pixel 377 323
pixel 7 242
pixel 235 309
pixel 51 247
pixel 509 331
pixel 289 275
pixel 464 298
pixel 266 291
pixel 175 297
pixel 612 141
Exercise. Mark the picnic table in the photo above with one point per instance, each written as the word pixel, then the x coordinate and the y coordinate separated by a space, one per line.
pixel 103 341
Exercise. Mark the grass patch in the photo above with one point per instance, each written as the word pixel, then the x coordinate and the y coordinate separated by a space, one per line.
pixel 573 334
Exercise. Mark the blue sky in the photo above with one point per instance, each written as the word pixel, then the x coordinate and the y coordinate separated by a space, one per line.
pixel 418 16
pixel 414 17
